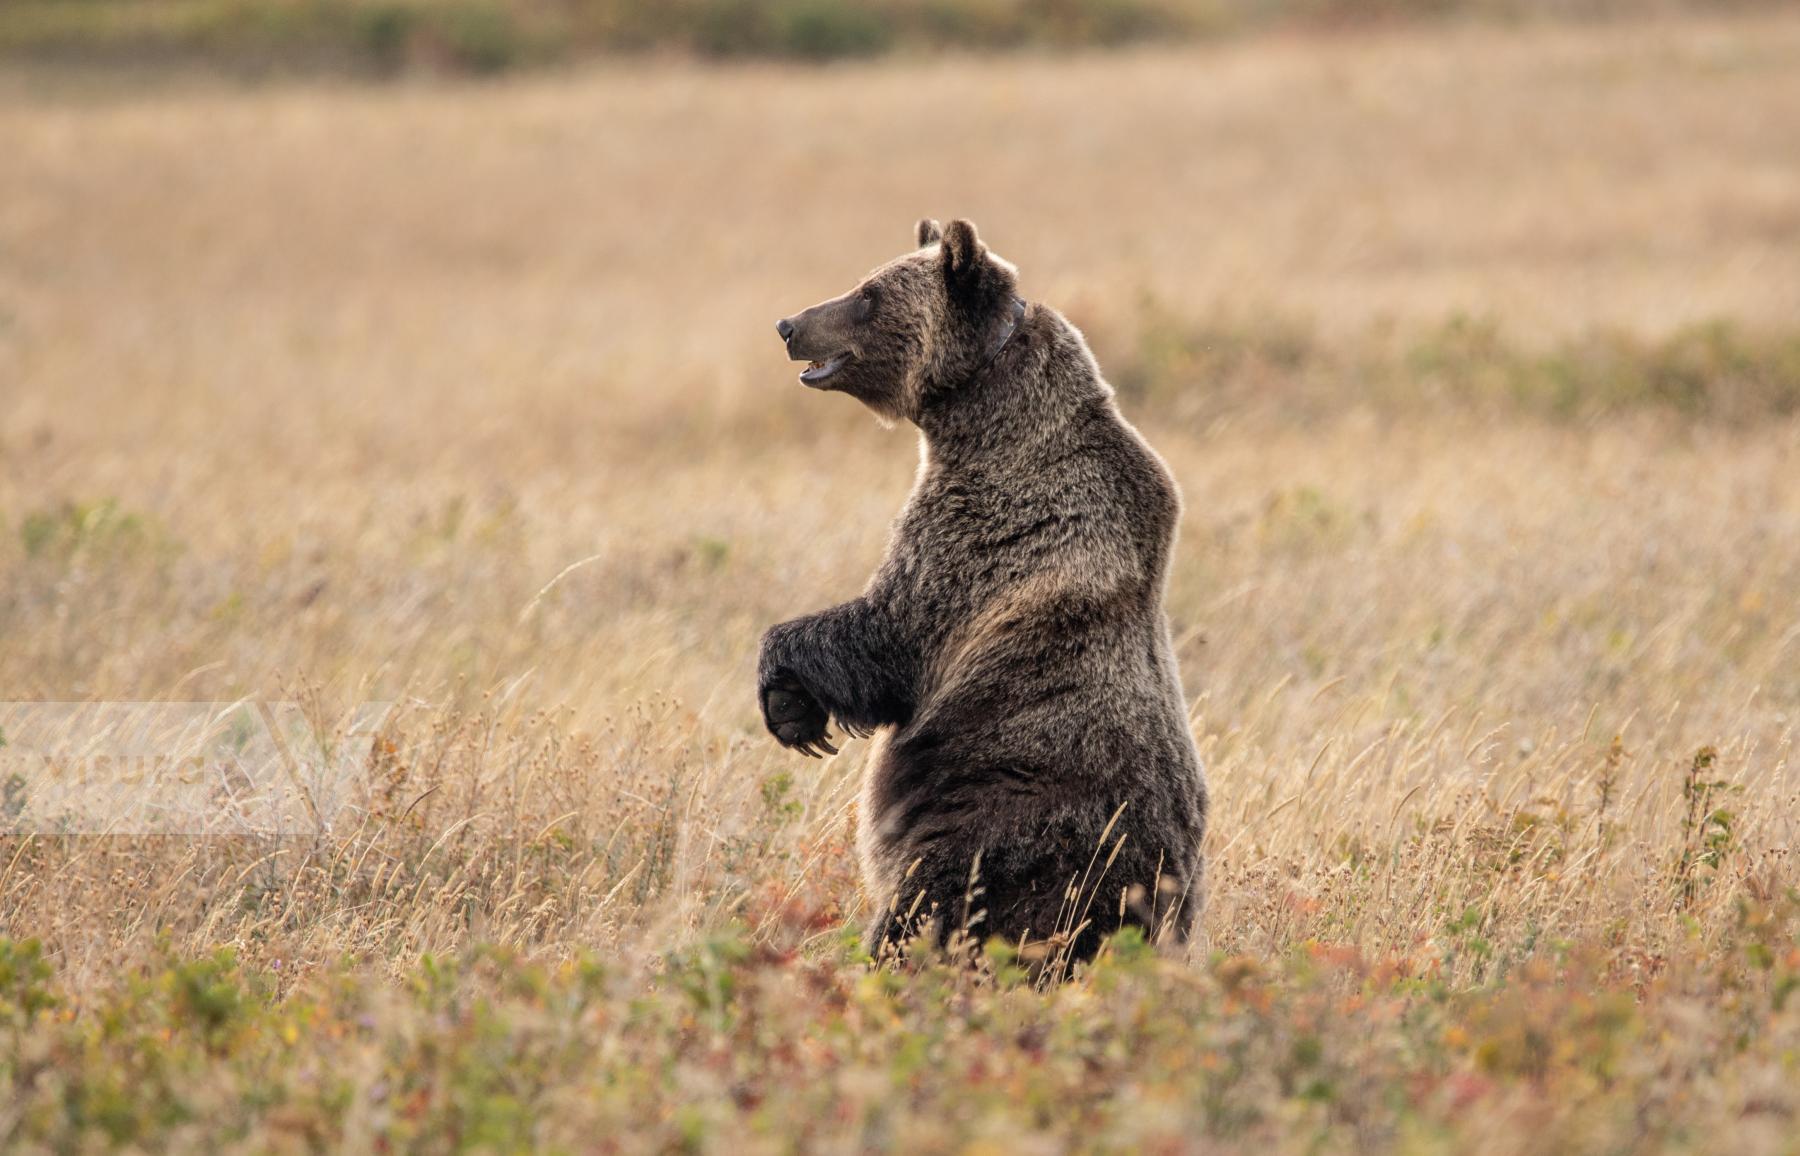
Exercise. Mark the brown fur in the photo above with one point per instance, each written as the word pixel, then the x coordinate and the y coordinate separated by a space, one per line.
pixel 1011 650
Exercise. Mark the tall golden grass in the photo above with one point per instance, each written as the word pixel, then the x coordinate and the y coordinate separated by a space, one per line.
pixel 468 398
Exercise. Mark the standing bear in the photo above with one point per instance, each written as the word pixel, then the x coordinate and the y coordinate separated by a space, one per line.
pixel 1033 776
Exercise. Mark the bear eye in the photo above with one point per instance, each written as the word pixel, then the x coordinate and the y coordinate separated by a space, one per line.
pixel 866 299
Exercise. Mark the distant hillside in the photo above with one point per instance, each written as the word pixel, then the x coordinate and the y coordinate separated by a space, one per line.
pixel 391 36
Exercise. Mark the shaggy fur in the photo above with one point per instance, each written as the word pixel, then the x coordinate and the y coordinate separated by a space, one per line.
pixel 1034 776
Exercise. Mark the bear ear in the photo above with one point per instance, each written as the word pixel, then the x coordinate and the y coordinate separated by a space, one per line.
pixel 929 232
pixel 963 250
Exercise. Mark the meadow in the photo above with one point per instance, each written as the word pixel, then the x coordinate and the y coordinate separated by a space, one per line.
pixel 1475 350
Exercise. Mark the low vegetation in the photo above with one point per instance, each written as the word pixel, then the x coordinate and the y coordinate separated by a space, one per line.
pixel 1706 372
pixel 744 1046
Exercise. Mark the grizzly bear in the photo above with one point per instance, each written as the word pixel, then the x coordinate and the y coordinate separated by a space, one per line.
pixel 1033 775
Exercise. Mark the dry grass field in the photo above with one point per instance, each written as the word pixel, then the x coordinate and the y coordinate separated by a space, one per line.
pixel 1477 356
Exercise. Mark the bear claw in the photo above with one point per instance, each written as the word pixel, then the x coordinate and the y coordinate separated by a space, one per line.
pixel 796 721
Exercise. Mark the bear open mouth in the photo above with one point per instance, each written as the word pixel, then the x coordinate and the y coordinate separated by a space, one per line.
pixel 818 371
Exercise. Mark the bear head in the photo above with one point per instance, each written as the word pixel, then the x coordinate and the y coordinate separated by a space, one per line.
pixel 914 329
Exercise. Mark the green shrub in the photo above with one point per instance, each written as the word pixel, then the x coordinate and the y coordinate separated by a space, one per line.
pixel 384 33
pixel 101 528
pixel 822 30
pixel 24 981
pixel 478 37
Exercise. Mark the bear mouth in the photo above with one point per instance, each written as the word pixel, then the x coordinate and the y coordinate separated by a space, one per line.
pixel 818 371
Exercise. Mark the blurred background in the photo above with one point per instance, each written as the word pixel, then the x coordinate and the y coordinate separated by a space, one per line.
pixel 354 323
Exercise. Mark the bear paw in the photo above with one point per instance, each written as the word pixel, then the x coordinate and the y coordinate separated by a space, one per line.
pixel 795 718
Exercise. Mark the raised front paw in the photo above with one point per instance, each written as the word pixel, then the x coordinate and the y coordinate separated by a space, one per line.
pixel 795 718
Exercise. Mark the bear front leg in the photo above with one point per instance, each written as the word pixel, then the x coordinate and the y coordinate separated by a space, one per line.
pixel 845 663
